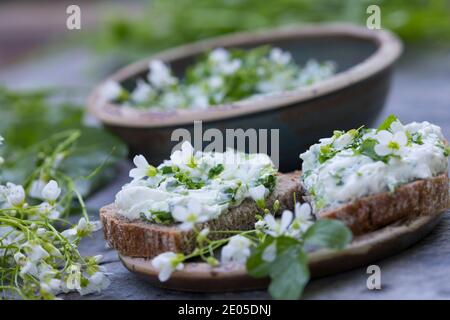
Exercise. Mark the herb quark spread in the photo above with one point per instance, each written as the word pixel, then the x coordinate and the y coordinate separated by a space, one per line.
pixel 194 187
pixel 362 162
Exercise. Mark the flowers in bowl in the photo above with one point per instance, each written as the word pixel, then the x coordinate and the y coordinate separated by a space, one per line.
pixel 220 76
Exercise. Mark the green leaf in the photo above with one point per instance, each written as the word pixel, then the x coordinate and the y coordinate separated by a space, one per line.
pixel 256 266
pixel 215 171
pixel 289 271
pixel 386 124
pixel 289 274
pixel 30 120
pixel 268 181
pixel 416 137
pixel 367 148
pixel 327 152
pixel 328 233
pixel 184 178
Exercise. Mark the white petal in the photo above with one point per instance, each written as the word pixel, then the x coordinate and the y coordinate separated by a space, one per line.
pixel 137 173
pixel 400 138
pixel 286 219
pixel 164 274
pixel 384 137
pixel 382 150
pixel 270 252
pixel 303 211
pixel 51 191
pixel 187 149
pixel 396 126
pixel 179 213
pixel 140 161
pixel 258 192
pixel 194 206
pixel 270 221
pixel 186 226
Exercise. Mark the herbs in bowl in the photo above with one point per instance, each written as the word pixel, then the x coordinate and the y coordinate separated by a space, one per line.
pixel 218 77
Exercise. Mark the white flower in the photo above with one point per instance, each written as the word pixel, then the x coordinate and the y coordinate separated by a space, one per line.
pixel 343 141
pixel 277 82
pixel 46 272
pixel 270 252
pixel 237 250
pixel 96 283
pixel 185 156
pixel 277 228
pixel 15 194
pixel 220 59
pixel 397 126
pixel 143 169
pixel 172 100
pixel 20 258
pixel 85 227
pixel 303 219
pixel 166 263
pixel 29 268
pixel 198 97
pixel 279 56
pixel 36 188
pixel 260 224
pixel 159 75
pixel 218 56
pixel 189 215
pixel 389 143
pixel 53 286
pixel 229 67
pixel 82 229
pixel 51 191
pixel 110 91
pixel 34 251
pixel 258 192
pixel 215 82
pixel 50 210
pixel 142 92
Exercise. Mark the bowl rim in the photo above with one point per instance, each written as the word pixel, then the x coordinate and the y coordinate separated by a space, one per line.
pixel 388 51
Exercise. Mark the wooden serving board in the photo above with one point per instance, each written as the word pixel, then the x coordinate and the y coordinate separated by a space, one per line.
pixel 201 277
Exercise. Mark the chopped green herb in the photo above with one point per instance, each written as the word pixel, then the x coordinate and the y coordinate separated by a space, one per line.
pixel 268 181
pixel 215 171
pixel 386 124
pixel 416 137
pixel 184 178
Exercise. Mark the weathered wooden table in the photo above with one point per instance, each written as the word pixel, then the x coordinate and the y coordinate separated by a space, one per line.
pixel 420 91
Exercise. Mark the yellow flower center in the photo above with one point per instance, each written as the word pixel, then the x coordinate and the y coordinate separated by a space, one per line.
pixel 393 145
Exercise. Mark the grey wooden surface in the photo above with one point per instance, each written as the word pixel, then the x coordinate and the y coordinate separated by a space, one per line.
pixel 420 91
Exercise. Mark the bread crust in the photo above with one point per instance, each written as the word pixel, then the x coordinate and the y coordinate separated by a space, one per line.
pixel 138 238
pixel 421 197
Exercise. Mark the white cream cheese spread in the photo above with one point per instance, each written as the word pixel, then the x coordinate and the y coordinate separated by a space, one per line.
pixel 362 162
pixel 193 186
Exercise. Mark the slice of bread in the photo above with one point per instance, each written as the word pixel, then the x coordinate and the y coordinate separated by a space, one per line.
pixel 421 197
pixel 138 238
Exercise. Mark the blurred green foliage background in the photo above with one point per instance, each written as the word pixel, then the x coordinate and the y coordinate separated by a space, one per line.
pixel 166 23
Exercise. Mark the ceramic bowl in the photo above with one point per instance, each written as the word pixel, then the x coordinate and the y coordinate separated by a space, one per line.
pixel 354 96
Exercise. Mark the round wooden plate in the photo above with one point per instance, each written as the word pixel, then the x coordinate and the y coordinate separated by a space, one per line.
pixel 201 277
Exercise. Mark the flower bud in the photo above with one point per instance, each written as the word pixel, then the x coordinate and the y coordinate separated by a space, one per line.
pixel 51 191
